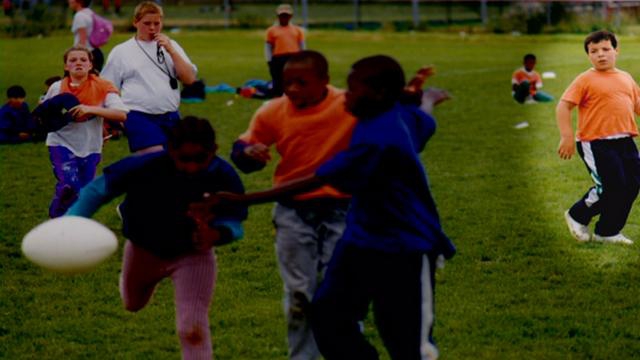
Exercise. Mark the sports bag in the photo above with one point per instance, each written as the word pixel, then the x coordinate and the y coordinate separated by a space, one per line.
pixel 101 31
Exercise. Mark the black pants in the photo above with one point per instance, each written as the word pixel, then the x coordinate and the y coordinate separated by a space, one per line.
pixel 98 59
pixel 399 285
pixel 276 65
pixel 614 166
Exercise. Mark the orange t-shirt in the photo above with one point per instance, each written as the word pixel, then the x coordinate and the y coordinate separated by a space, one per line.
pixel 92 91
pixel 607 103
pixel 285 39
pixel 304 138
pixel 532 77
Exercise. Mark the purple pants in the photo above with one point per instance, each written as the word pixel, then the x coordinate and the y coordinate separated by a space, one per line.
pixel 72 172
pixel 193 277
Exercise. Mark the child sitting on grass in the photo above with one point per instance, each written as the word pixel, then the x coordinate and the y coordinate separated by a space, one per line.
pixel 526 83
pixel 16 123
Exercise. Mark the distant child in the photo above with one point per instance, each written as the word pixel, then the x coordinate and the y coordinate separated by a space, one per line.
pixel 608 100
pixel 82 26
pixel 307 126
pixel 526 83
pixel 117 6
pixel 393 236
pixel 282 40
pixel 165 240
pixel 16 122
pixel 75 150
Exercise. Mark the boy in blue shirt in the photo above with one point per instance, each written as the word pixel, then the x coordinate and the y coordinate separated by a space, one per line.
pixel 16 123
pixel 393 236
pixel 165 238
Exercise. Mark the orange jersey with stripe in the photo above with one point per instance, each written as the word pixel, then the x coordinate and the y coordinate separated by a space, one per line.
pixel 607 103
pixel 532 77
pixel 304 138
pixel 285 39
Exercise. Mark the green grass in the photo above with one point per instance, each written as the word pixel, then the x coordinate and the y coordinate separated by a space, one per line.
pixel 519 288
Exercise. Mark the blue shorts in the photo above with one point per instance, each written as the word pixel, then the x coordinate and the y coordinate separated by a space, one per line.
pixel 145 130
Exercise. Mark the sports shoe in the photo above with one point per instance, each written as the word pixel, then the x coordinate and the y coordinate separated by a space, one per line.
pixel 578 231
pixel 621 239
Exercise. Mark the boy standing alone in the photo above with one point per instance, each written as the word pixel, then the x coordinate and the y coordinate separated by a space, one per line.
pixel 607 99
pixel 283 40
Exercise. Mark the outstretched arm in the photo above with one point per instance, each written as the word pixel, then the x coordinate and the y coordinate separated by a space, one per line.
pixel 289 189
pixel 91 198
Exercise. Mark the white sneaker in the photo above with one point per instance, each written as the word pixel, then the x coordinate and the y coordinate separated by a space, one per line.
pixel 578 231
pixel 621 239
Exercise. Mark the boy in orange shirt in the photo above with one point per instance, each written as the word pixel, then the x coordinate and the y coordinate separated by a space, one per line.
pixel 526 83
pixel 607 99
pixel 282 40
pixel 307 126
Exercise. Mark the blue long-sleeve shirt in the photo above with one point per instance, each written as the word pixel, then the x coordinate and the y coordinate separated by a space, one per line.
pixel 157 198
pixel 392 208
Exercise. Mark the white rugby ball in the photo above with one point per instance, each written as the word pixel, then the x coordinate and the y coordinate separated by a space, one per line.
pixel 69 244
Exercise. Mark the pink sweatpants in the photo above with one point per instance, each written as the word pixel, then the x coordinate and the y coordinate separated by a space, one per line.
pixel 193 278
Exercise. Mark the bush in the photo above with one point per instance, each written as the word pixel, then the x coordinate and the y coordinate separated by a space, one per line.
pixel 41 19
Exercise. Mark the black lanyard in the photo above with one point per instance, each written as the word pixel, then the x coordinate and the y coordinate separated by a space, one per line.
pixel 173 82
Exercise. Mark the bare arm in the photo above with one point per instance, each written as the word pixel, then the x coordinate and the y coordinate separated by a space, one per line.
pixel 82 112
pixel 567 146
pixel 184 70
pixel 83 39
pixel 289 189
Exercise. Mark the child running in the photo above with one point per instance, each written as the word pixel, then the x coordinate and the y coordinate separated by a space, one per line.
pixel 75 150
pixel 387 254
pixel 165 240
pixel 608 100
pixel 307 126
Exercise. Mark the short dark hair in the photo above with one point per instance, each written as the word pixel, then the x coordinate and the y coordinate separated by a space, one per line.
pixel 529 57
pixel 600 35
pixel 84 3
pixel 315 58
pixel 50 80
pixel 16 91
pixel 195 130
pixel 382 74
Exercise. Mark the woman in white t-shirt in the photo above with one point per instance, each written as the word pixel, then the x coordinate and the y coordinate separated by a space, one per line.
pixel 75 149
pixel 147 69
pixel 81 28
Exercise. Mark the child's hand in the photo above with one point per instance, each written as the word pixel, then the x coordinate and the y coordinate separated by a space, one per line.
pixel 258 152
pixel 566 148
pixel 81 112
pixel 164 41
pixel 417 82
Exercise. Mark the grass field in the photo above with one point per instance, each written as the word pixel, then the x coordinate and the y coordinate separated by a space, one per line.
pixel 519 288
